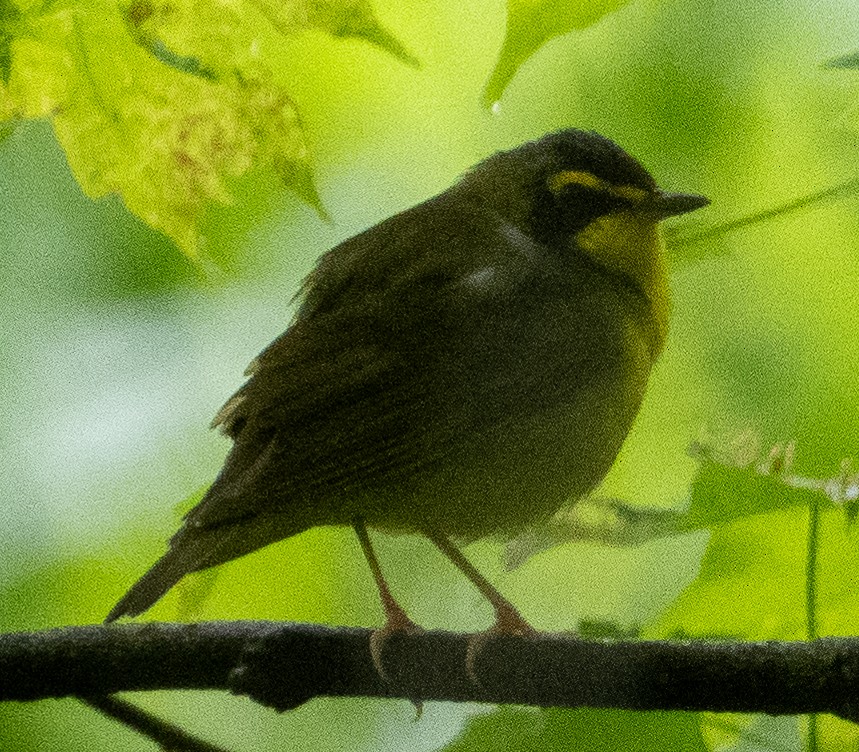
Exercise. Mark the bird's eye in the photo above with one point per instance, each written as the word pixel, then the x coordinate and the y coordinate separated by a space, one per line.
pixel 587 187
pixel 589 203
pixel 571 200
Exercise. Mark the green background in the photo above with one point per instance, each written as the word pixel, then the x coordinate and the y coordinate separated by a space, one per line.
pixel 117 351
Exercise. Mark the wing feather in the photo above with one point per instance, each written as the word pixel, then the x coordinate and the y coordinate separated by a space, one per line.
pixel 369 383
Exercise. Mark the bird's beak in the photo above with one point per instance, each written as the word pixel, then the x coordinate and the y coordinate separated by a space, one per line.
pixel 671 204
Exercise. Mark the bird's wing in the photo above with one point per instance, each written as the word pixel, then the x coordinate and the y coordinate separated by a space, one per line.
pixel 349 396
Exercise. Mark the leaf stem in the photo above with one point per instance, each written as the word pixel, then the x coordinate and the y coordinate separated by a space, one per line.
pixel 811 570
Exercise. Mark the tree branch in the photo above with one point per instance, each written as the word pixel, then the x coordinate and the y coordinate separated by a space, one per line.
pixel 283 665
pixel 687 240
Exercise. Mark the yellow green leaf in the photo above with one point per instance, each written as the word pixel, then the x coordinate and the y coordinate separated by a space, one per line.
pixel 165 104
pixel 532 23
pixel 10 18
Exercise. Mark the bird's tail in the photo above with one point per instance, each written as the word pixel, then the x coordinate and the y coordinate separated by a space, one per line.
pixel 162 576
pixel 193 548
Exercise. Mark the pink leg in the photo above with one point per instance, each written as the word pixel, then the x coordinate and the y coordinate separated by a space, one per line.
pixel 396 619
pixel 508 620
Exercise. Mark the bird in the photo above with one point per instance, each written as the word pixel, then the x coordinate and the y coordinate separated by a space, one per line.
pixel 460 370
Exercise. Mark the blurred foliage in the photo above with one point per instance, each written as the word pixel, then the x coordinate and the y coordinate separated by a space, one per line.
pixel 849 62
pixel 583 730
pixel 732 482
pixel 747 733
pixel 118 349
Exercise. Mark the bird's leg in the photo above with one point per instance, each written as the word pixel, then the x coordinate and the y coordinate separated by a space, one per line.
pixel 508 620
pixel 396 619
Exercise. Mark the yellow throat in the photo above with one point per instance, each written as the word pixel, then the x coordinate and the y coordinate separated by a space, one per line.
pixel 627 242
pixel 631 244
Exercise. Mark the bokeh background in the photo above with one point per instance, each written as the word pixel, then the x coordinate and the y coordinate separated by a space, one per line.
pixel 117 349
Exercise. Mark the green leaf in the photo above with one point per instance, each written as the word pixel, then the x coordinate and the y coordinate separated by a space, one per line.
pixel 220 36
pixel 136 14
pixel 583 730
pixel 340 18
pixel 298 176
pixel 168 104
pixel 356 19
pixel 10 18
pixel 752 580
pixel 532 23
pixel 6 130
pixel 750 584
pixel 166 142
pixel 722 494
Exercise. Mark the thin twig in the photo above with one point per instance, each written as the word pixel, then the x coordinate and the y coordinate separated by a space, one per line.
pixel 812 741
pixel 687 240
pixel 170 737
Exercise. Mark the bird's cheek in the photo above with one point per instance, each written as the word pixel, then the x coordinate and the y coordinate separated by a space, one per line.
pixel 616 237
pixel 632 245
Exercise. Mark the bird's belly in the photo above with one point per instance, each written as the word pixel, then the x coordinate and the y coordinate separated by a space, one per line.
pixel 522 470
pixel 523 474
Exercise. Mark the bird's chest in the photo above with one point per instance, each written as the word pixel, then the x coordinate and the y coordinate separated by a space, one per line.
pixel 551 397
pixel 555 354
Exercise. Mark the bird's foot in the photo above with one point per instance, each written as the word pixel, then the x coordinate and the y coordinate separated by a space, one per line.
pixel 508 623
pixel 396 622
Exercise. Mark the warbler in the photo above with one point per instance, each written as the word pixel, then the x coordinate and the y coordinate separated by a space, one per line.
pixel 462 369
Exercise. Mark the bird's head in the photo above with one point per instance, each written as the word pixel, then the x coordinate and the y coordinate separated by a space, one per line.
pixel 579 192
pixel 557 186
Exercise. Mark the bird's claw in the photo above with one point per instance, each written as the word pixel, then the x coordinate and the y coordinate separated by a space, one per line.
pixel 396 624
pixel 400 624
pixel 509 623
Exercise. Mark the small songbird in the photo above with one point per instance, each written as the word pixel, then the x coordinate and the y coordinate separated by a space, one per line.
pixel 459 370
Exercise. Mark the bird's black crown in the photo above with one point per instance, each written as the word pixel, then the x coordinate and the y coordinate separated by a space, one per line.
pixel 573 149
